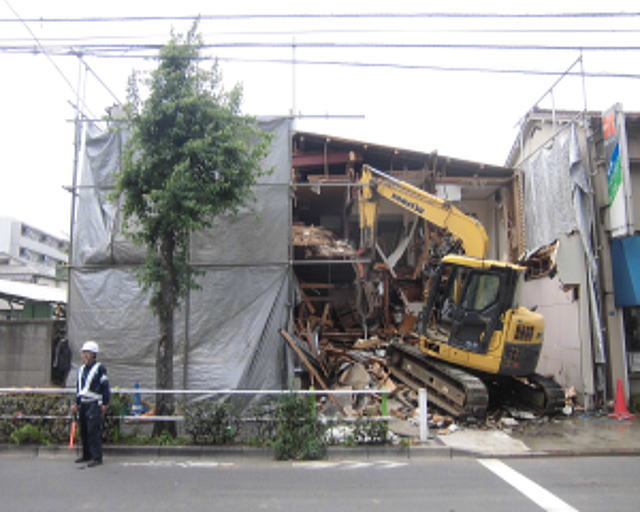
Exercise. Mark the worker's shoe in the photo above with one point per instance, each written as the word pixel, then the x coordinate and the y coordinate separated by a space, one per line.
pixel 81 459
pixel 94 463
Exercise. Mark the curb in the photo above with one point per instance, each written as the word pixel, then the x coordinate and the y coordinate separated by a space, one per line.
pixel 333 452
pixel 241 452
pixel 605 452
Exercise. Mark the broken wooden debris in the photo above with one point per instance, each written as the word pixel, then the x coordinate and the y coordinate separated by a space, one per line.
pixel 320 242
pixel 349 361
pixel 345 325
pixel 541 262
pixel 309 366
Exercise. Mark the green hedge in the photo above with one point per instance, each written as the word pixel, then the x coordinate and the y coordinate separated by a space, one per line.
pixel 289 425
pixel 34 431
pixel 51 431
pixel 299 432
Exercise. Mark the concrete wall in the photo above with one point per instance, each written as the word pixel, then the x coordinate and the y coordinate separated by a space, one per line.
pixel 564 303
pixel 561 351
pixel 485 211
pixel 25 353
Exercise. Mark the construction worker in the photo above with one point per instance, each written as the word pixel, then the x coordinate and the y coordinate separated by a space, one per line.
pixel 92 401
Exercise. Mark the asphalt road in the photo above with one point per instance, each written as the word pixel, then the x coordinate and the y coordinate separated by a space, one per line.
pixel 55 483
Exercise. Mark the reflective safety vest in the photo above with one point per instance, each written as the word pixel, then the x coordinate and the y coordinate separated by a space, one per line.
pixel 86 393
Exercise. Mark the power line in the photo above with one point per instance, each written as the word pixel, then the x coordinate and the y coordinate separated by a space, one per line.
pixel 405 46
pixel 298 16
pixel 90 69
pixel 60 72
pixel 385 65
pixel 434 68
pixel 340 46
pixel 347 31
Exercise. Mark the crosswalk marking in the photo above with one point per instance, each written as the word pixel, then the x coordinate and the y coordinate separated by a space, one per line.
pixel 536 493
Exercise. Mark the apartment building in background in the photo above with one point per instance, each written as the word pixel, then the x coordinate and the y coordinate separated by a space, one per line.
pixel 29 254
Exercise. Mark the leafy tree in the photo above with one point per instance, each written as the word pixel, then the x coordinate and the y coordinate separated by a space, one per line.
pixel 191 156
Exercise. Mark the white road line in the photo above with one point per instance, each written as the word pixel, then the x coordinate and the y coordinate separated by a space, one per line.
pixel 197 464
pixel 174 464
pixel 349 464
pixel 357 465
pixel 315 464
pixel 387 464
pixel 539 495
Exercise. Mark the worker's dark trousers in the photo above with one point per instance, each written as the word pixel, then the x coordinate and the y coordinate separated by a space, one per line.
pixel 91 430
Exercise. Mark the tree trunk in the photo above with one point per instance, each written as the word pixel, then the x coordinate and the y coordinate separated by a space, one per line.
pixel 166 304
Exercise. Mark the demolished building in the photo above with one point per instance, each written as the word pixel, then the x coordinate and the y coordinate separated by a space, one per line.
pixel 296 266
pixel 354 303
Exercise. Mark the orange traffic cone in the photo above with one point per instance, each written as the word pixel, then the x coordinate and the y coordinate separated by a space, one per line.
pixel 620 411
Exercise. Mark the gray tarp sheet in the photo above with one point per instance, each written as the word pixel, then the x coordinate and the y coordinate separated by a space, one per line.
pixel 226 334
pixel 557 199
pixel 547 193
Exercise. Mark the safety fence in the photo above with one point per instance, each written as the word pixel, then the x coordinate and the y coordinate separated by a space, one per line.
pixel 129 417
pixel 200 393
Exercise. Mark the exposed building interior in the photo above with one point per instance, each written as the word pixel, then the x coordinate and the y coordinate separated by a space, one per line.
pixel 326 233
pixel 354 300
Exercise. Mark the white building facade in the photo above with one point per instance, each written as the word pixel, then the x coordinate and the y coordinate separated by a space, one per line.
pixel 30 254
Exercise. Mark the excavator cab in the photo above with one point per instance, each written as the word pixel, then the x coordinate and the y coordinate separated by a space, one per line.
pixel 470 318
pixel 466 301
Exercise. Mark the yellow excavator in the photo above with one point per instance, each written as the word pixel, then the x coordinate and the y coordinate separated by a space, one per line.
pixel 474 343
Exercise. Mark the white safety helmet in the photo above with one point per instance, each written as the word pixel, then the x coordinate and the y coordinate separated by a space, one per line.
pixel 90 346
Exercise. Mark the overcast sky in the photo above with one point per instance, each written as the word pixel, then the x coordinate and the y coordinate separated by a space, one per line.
pixel 452 84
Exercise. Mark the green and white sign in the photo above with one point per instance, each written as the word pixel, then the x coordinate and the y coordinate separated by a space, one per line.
pixel 618 179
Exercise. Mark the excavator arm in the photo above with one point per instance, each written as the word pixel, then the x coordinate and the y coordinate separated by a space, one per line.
pixel 376 184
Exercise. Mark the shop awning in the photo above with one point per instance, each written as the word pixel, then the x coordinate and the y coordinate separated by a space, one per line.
pixel 16 290
pixel 625 256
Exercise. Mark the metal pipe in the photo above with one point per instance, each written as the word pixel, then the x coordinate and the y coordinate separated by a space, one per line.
pixel 53 391
pixel 424 422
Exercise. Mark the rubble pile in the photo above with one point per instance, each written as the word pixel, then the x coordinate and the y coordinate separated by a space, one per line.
pixel 320 242
pixel 342 330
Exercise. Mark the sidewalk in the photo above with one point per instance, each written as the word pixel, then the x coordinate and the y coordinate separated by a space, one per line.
pixel 576 435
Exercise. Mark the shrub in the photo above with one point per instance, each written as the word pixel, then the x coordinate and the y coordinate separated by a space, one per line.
pixel 210 422
pixel 370 432
pixel 52 430
pixel 6 429
pixel 29 434
pixel 299 433
pixel 119 405
pixel 261 428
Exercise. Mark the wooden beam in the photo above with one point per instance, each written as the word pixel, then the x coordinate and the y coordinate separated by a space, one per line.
pixel 320 286
pixel 292 343
pixel 320 159
pixel 307 301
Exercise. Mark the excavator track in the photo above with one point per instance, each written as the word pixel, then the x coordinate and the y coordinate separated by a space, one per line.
pixel 463 394
pixel 542 394
pixel 459 393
